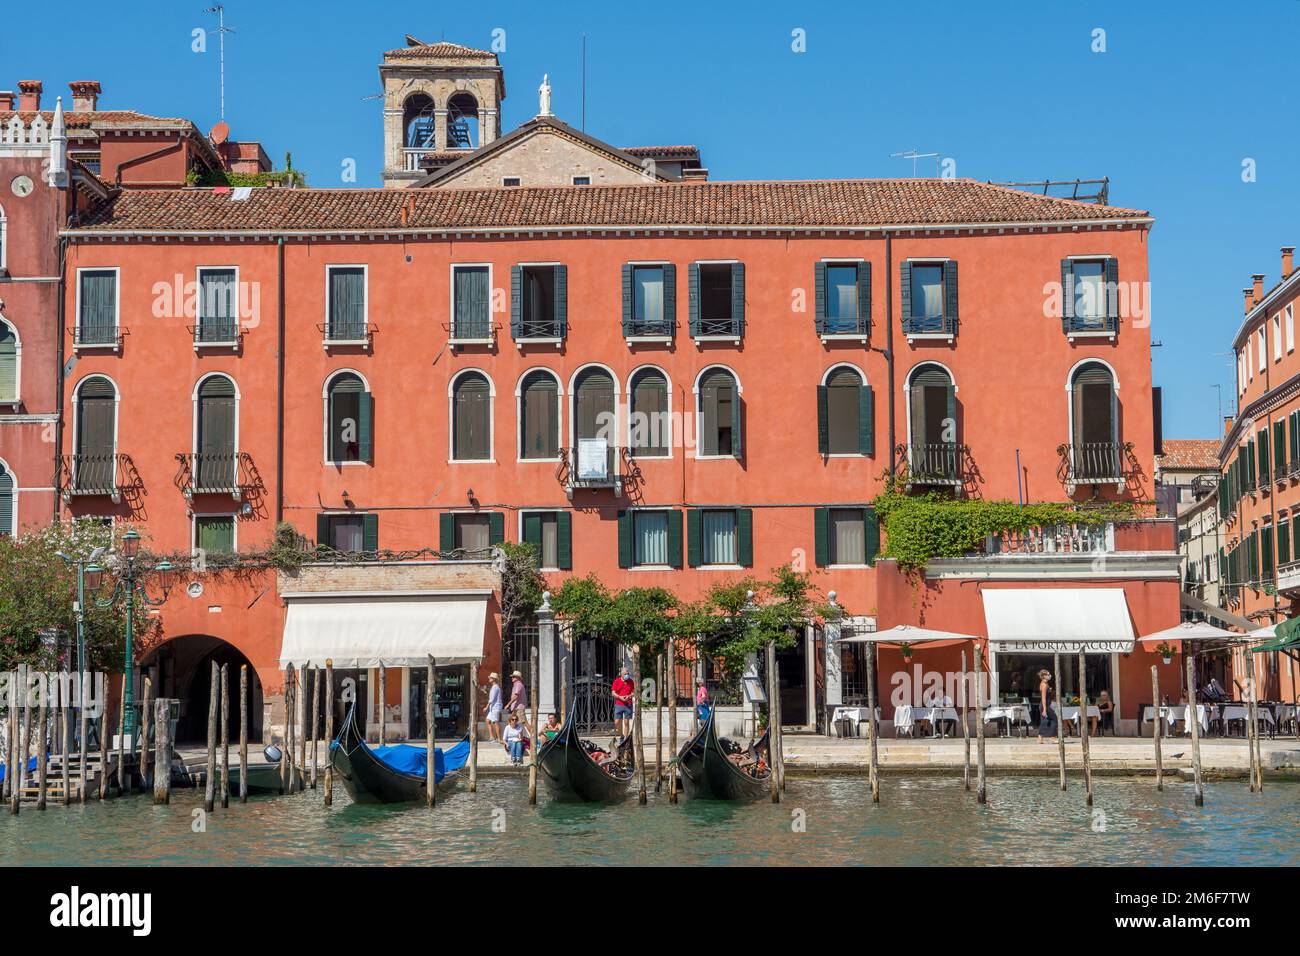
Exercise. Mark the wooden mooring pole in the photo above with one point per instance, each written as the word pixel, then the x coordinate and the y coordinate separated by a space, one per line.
pixel 473 726
pixel 214 701
pixel 315 723
pixel 965 725
pixel 1083 729
pixel 42 754
pixel 225 736
pixel 637 743
pixel 1252 724
pixel 873 752
pixel 1195 727
pixel 670 665
pixel 146 717
pixel 17 759
pixel 1155 727
pixel 26 751
pixel 82 730
pixel 383 705
pixel 982 794
pixel 243 733
pixel 329 731
pixel 105 725
pixel 121 741
pixel 304 699
pixel 774 778
pixel 532 743
pixel 1060 717
pixel 430 766
pixel 162 757
pixel 64 714
pixel 659 721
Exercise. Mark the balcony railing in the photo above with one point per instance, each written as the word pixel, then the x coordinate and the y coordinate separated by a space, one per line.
pixel 934 463
pixel 340 332
pixel 545 329
pixel 649 328
pixel 97 336
pixel 92 474
pixel 587 467
pixel 1076 324
pixel 1095 463
pixel 1054 539
pixel 929 325
pixel 222 330
pixel 206 473
pixel 721 328
pixel 844 325
pixel 471 330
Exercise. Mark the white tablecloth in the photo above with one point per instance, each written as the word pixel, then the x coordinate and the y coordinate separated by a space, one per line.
pixel 1242 712
pixel 854 715
pixel 1178 712
pixel 906 716
pixel 1071 711
pixel 1018 712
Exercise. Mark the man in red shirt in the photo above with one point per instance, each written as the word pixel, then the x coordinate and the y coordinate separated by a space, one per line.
pixel 623 689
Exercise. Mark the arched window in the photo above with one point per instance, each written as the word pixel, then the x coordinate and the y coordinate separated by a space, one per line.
pixel 417 122
pixel 215 434
pixel 349 419
pixel 594 418
pixel 8 502
pixel 462 121
pixel 1094 423
pixel 844 414
pixel 8 363
pixel 94 469
pixel 539 416
pixel 650 425
pixel 932 450
pixel 719 414
pixel 471 418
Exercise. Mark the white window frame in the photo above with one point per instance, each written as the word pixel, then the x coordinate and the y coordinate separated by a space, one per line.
pixel 632 513
pixel 573 410
pixel 1290 327
pixel 116 344
pixel 1250 358
pixel 13 520
pixel 18 365
pixel 194 528
pixel 735 542
pixel 4 240
pixel 556 340
pixel 826 377
pixel 519 533
pixel 451 419
pixel 452 338
pixel 76 423
pixel 733 339
pixel 646 339
pixel 1262 332
pixel 851 566
pixel 198 308
pixel 699 412
pixel 365 304
pixel 939 261
pixel 325 418
pixel 846 336
pixel 519 414
pixel 573 180
pixel 194 415
pixel 952 380
pixel 627 417
pixel 1277 336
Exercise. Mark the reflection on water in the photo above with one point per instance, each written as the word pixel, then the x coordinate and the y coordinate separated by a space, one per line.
pixel 923 820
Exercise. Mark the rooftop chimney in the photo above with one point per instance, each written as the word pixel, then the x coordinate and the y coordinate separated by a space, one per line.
pixel 1227 424
pixel 85 95
pixel 29 95
pixel 1287 268
pixel 1258 278
pixel 1249 303
pixel 7 98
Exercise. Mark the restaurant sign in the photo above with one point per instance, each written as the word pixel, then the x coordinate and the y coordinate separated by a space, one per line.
pixel 1061 647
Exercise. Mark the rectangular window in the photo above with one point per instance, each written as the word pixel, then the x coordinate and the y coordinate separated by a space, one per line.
pixel 848 536
pixel 1089 293
pixel 1263 348
pixel 346 533
pixel 718 530
pixel 218 307
pixel 471 532
pixel 582 180
pixel 346 306
pixel 1250 359
pixel 1290 329
pixel 214 534
pixel 648 296
pixel 1277 338
pixel 650 538
pixel 842 297
pixel 509 180
pixel 715 299
pixel 471 316
pixel 542 531
pixel 537 309
pixel 97 307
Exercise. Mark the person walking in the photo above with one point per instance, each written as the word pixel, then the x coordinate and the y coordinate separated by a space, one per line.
pixel 494 707
pixel 1047 726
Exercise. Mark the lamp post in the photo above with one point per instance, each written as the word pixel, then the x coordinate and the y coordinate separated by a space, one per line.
pixel 82 564
pixel 127 587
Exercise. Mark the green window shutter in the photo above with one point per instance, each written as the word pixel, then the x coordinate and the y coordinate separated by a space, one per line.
pixel 6 503
pixel 693 296
pixel 1279 446
pixel 1283 543
pixel 950 294
pixel 446 532
pixel 516 301
pixel 370 532
pixel 8 367
pixel 675 538
pixel 1223 567
pixel 871 534
pixel 737 420
pixel 823 420
pixel 1266 553
pixel 496 527
pixel 866 421
pixel 819 286
pixel 627 298
pixel 533 533
pixel 670 296
pixel 745 537
pixel 323 530
pixel 738 297
pixel 625 539
pixel 1112 294
pixel 1263 460
pixel 694 539
pixel 562 299
pixel 563 540
pixel 1250 464
pixel 1294 436
pixel 905 291
pixel 821 536
pixel 864 296
pixel 1295 534
pixel 366 427
pixel 1067 293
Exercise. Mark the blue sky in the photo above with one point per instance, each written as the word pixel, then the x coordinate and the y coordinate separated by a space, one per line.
pixel 1010 91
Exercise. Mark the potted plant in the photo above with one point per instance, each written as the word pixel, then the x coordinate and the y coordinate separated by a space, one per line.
pixel 1166 651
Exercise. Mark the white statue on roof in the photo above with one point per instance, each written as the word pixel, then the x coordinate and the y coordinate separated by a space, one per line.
pixel 544 96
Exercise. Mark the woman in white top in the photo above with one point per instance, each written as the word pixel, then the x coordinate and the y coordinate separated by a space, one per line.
pixel 494 707
pixel 513 740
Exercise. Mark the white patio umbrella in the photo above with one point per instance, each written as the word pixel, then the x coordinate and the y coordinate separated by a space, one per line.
pixel 906 634
pixel 1191 631
pixel 1268 631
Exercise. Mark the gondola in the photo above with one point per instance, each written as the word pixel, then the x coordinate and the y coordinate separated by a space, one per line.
pixel 262 777
pixel 708 773
pixel 393 774
pixel 571 773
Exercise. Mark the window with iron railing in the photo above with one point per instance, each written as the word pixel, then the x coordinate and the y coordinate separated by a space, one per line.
pixel 346 305
pixel 717 299
pixel 217 307
pixel 538 302
pixel 97 312
pixel 471 318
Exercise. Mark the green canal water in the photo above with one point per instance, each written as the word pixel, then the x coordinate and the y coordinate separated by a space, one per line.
pixel 921 820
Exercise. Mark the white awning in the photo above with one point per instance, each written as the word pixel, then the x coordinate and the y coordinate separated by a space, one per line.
pixel 1051 620
pixel 356 631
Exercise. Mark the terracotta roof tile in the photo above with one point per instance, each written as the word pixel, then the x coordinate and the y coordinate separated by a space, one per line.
pixel 441 51
pixel 1200 453
pixel 100 119
pixel 834 203
pixel 686 151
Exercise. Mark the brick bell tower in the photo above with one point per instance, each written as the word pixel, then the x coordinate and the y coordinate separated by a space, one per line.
pixel 441 102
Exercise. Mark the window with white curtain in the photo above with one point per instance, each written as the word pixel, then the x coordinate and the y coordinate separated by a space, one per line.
pixel 718 529
pixel 1090 291
pixel 848 537
pixel 648 293
pixel 650 537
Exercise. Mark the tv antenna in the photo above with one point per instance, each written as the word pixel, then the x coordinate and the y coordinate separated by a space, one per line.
pixel 222 30
pixel 914 155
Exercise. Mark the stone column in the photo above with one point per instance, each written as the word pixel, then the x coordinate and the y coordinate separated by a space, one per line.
pixel 394 140
pixel 834 679
pixel 490 126
pixel 439 130
pixel 548 656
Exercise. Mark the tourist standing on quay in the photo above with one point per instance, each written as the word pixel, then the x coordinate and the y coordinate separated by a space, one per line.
pixel 518 705
pixel 623 689
pixel 494 707
pixel 1046 719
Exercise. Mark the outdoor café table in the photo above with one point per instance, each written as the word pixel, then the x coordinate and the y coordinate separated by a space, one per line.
pixel 906 716
pixel 1242 712
pixel 1070 713
pixel 1284 714
pixel 1171 713
pixel 854 715
pixel 1011 713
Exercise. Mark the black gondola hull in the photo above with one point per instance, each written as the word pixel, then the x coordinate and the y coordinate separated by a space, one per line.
pixel 707 774
pixel 569 772
pixel 366 778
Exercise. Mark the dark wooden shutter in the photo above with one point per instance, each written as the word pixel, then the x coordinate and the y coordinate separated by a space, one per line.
pixel 496 528
pixel 1262 451
pixel 627 298
pixel 866 420
pixel 737 421
pixel 365 427
pixel 446 532
pixel 562 300
pixel 670 297
pixel 694 539
pixel 871 534
pixel 738 297
pixel 563 540
pixel 821 536
pixel 693 296
pixel 864 296
pixel 950 295
pixel 745 537
pixel 1279 446
pixel 323 530
pixel 8 364
pixel 823 420
pixel 370 533
pixel 819 287
pixel 7 503
pixel 533 533
pixel 905 292
pixel 1067 294
pixel 1283 543
pixel 516 302
pixel 625 539
pixel 1294 436
pixel 675 538
pixel 1112 294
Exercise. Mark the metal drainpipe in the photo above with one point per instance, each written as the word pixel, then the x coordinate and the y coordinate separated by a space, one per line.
pixel 889 342
pixel 58 371
pixel 279 385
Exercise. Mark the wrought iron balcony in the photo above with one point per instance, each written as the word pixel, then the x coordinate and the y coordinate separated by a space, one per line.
pixel 1095 463
pixel 934 463
pixel 844 326
pixel 545 330
pixel 1088 324
pixel 216 331
pixel 728 328
pixel 338 332
pixel 97 336
pixel 477 331
pixel 649 329
pixel 93 475
pixel 929 325
pixel 205 473
pixel 591 466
